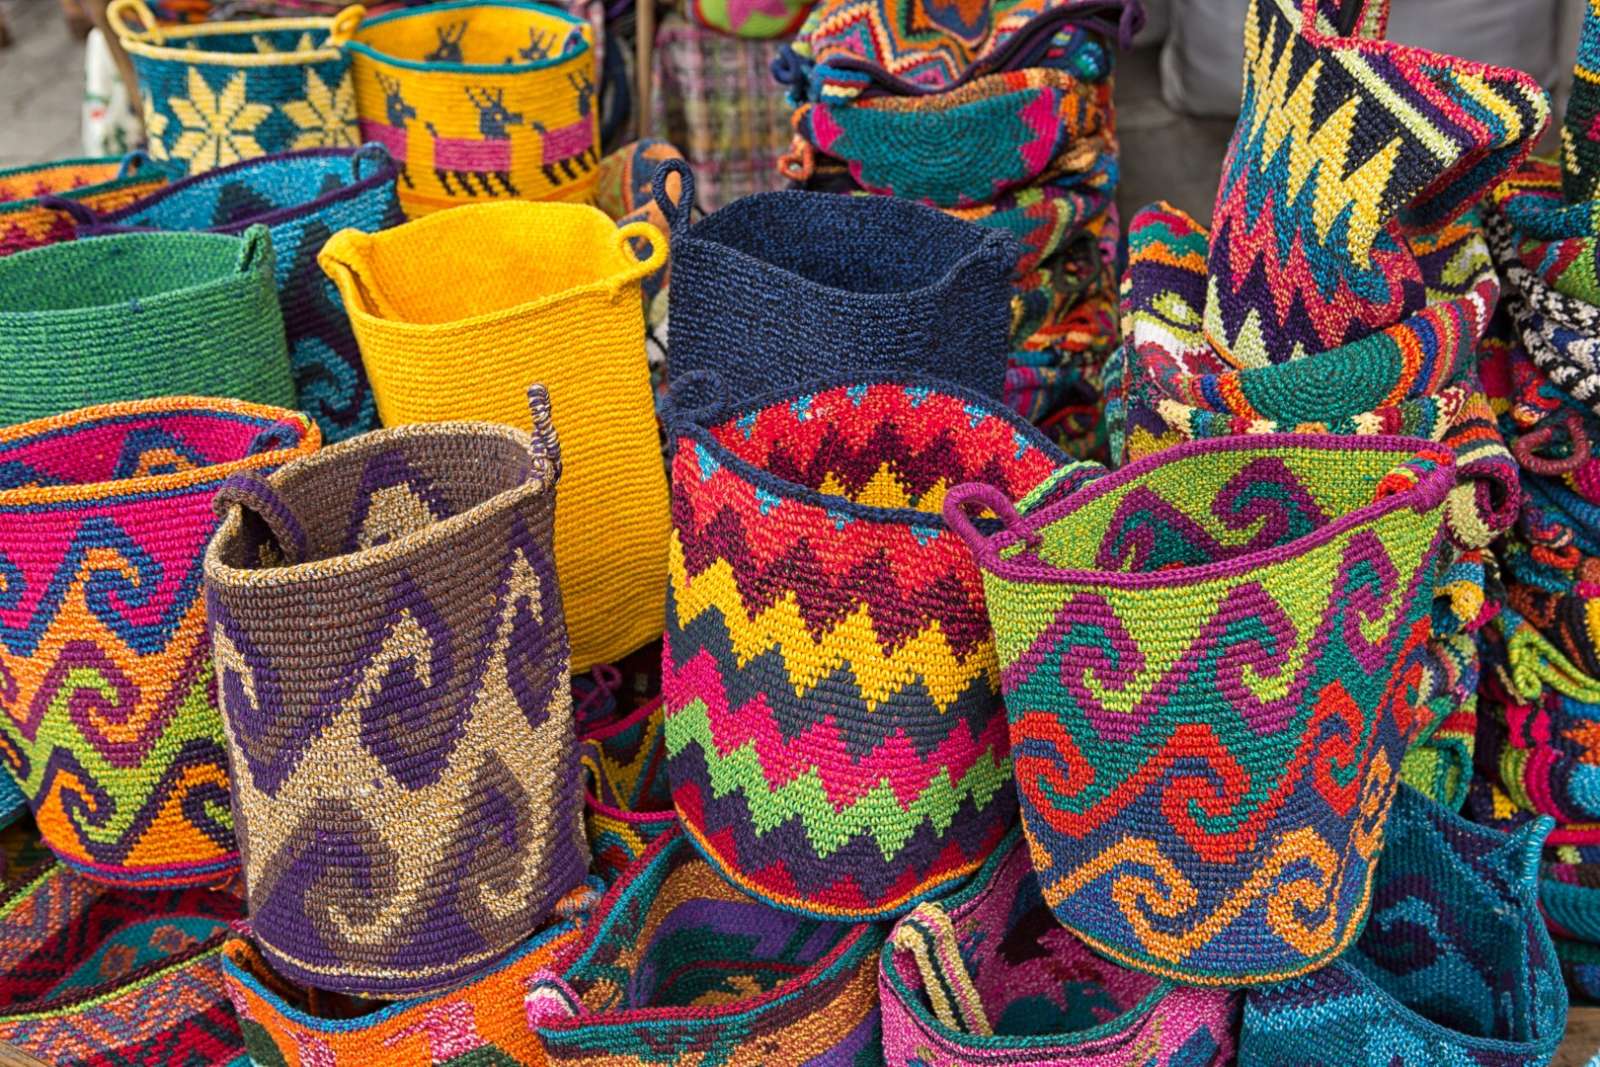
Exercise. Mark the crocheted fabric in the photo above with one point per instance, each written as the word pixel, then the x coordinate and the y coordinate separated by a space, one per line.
pixel 1439 762
pixel 1580 130
pixel 99 184
pixel 392 663
pixel 480 1022
pixel 678 965
pixel 141 315
pixel 1454 967
pixel 624 191
pixel 91 975
pixel 1295 576
pixel 628 803
pixel 834 735
pixel 303 198
pixel 987 977
pixel 220 92
pixel 110 722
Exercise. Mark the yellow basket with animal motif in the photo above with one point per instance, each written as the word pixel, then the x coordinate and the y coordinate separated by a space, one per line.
pixel 481 100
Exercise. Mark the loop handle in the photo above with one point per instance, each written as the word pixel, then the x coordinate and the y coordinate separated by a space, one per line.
pixel 252 492
pixel 345 24
pixel 677 406
pixel 983 495
pixel 929 937
pixel 641 268
pixel 550 999
pixel 677 214
pixel 256 251
pixel 800 162
pixel 1525 447
pixel 149 29
pixel 374 153
pixel 133 163
pixel 82 214
pixel 544 428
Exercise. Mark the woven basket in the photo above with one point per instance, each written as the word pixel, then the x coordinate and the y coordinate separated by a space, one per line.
pixel 987 977
pixel 678 966
pixel 1454 967
pixel 627 802
pixel 835 737
pixel 543 293
pixel 218 92
pixel 91 975
pixel 99 184
pixel 479 1021
pixel 1208 661
pixel 778 289
pixel 481 98
pixel 110 722
pixel 303 198
pixel 750 20
pixel 136 316
pixel 392 662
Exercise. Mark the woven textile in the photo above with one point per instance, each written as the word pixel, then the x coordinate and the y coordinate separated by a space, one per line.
pixel 480 99
pixel 624 190
pixel 987 977
pixel 110 722
pixel 834 732
pixel 135 316
pixel 628 802
pixel 1555 239
pixel 1454 967
pixel 392 662
pixel 99 184
pixel 713 96
pixel 678 966
pixel 748 18
pixel 303 198
pixel 545 293
pixel 95 976
pixel 1580 130
pixel 1439 763
pixel 1241 744
pixel 479 1022
pixel 218 92
pixel 780 289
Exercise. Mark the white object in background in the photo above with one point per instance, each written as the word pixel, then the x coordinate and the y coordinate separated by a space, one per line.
pixel 110 128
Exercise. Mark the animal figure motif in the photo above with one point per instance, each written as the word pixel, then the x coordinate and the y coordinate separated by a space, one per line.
pixel 392 133
pixel 569 150
pixel 449 49
pixel 539 45
pixel 483 158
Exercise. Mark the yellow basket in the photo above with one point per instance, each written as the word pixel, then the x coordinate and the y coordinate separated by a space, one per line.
pixel 481 100
pixel 458 313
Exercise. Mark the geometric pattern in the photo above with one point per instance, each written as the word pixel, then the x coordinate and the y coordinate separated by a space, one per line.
pixel 834 734
pixel 108 718
pixel 1210 661
pixel 98 184
pixel 628 803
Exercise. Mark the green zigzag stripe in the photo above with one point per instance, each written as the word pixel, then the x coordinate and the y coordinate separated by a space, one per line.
pixel 878 812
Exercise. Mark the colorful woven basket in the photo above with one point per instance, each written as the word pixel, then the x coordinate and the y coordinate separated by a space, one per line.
pixel 481 99
pixel 303 198
pixel 1455 966
pixel 1205 783
pixel 678 966
pixel 835 737
pixel 99 184
pixel 92 976
pixel 741 18
pixel 544 293
pixel 627 803
pixel 218 92
pixel 779 289
pixel 481 1021
pixel 988 977
pixel 141 315
pixel 392 663
pixel 110 723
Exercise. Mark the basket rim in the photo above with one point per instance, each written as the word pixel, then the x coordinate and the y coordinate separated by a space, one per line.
pixel 367 51
pixel 133 45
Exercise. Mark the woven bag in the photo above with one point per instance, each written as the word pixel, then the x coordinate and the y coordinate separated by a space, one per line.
pixel 678 966
pixel 627 802
pixel 99 184
pixel 988 977
pixel 1455 966
pixel 480 1021
pixel 779 289
pixel 1204 784
pixel 835 739
pixel 218 92
pixel 303 198
pixel 481 98
pixel 392 662
pixel 91 975
pixel 110 723
pixel 546 293
pixel 142 315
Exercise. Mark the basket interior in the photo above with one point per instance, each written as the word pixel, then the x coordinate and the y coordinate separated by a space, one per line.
pixel 480 35
pixel 118 447
pixel 106 271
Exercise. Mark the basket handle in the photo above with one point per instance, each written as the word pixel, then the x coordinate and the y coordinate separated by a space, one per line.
pixel 678 404
pixel 640 268
pixel 374 153
pixel 338 259
pixel 345 24
pixel 929 936
pixel 677 214
pixel 82 214
pixel 544 428
pixel 1524 447
pixel 550 999
pixel 257 250
pixel 134 163
pixel 982 495
pixel 253 493
pixel 149 29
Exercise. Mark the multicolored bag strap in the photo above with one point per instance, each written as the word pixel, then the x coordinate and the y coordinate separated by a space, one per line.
pixel 928 934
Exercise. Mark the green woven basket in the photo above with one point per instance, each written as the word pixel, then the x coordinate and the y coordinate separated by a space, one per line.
pixel 141 315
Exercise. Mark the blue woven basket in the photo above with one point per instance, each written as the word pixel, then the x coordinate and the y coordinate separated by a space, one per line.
pixel 303 198
pixel 779 289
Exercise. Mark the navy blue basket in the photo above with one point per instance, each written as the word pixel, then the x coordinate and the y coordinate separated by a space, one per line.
pixel 780 289
pixel 303 198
